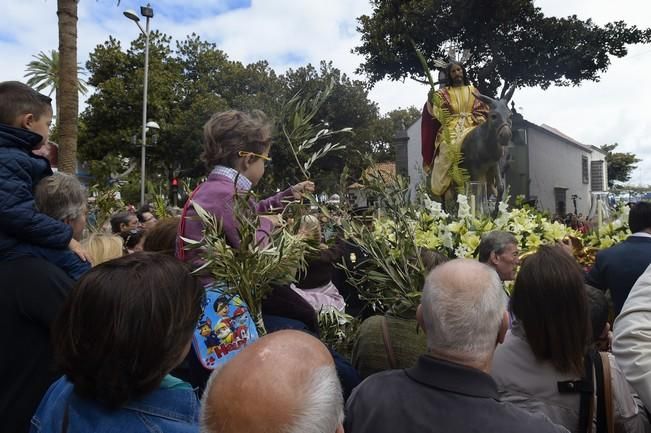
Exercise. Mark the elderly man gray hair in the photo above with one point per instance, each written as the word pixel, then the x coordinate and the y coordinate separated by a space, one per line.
pixel 285 382
pixel 463 314
pixel 499 250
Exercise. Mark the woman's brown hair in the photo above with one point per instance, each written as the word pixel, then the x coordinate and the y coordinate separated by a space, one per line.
pixel 230 132
pixel 162 237
pixel 125 325
pixel 550 301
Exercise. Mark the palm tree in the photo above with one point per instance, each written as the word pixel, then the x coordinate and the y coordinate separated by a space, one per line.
pixel 43 73
pixel 67 97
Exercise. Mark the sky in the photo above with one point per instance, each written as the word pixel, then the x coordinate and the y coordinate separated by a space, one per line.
pixel 292 33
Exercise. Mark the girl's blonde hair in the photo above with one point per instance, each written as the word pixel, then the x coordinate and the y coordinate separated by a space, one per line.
pixel 310 228
pixel 230 132
pixel 103 247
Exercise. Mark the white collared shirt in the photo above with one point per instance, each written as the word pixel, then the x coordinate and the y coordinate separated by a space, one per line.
pixel 641 235
pixel 241 181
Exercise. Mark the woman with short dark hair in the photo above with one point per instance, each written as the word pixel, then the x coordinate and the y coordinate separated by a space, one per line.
pixel 541 365
pixel 124 327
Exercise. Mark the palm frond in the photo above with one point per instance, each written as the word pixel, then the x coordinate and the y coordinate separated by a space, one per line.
pixel 252 269
pixel 303 134
pixel 43 73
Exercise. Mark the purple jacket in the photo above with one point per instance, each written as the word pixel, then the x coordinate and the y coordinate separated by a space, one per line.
pixel 217 195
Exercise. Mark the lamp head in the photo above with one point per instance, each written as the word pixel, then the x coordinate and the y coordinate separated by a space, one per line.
pixel 131 14
pixel 153 125
pixel 147 11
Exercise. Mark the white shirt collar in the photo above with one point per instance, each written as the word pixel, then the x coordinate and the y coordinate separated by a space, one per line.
pixel 242 181
pixel 641 235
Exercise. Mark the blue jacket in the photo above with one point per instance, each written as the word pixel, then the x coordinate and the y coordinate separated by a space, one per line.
pixel 20 171
pixel 617 268
pixel 169 410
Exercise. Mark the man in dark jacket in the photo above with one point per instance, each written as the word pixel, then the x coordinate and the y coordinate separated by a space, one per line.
pixel 618 267
pixel 463 313
pixel 31 294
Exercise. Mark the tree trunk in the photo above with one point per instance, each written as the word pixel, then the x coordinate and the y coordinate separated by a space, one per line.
pixel 67 95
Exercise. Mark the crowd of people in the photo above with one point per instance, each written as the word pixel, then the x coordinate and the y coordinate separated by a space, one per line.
pixel 108 331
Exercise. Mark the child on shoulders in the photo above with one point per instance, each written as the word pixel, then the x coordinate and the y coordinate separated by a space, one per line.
pixel 25 118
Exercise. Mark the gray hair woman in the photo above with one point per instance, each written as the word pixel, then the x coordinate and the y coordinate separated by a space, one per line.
pixel 63 198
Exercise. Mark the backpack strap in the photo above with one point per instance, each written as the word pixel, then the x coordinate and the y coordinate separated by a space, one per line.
pixel 180 247
pixel 606 396
pixel 584 387
pixel 388 347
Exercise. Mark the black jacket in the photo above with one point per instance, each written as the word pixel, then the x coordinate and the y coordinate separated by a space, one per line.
pixel 436 396
pixel 32 291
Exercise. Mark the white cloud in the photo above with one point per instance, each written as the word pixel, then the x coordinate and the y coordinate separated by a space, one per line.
pixel 290 33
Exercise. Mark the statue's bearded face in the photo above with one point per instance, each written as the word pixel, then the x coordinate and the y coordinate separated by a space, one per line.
pixel 456 75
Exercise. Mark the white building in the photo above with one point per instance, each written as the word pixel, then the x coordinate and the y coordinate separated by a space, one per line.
pixel 545 165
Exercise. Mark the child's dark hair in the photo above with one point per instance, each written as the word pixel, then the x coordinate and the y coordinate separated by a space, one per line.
pixel 639 217
pixel 125 325
pixel 599 310
pixel 230 132
pixel 17 99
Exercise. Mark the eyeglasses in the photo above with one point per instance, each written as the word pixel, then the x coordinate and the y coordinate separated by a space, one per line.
pixel 246 153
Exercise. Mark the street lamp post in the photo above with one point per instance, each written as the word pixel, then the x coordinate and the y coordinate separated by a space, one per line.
pixel 147 12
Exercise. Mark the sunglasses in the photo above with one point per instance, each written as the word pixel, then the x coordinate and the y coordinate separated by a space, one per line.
pixel 243 153
pixel 131 234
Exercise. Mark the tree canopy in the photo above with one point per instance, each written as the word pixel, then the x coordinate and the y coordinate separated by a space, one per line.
pixel 189 81
pixel 509 42
pixel 620 164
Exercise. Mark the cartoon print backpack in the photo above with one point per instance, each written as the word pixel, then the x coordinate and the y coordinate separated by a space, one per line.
pixel 224 328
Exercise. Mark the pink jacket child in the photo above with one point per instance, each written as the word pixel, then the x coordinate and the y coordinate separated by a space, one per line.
pixel 236 147
pixel 217 197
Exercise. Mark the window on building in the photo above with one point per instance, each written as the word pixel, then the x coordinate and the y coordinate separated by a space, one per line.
pixel 584 169
pixel 597 171
pixel 560 197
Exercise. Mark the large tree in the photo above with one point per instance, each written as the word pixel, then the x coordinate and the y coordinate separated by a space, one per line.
pixel 509 42
pixel 194 79
pixel 620 164
pixel 181 98
pixel 188 83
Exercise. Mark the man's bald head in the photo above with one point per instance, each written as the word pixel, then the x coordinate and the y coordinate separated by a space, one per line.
pixel 462 309
pixel 284 382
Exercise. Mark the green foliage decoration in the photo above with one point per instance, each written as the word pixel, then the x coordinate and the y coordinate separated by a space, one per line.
pixel 253 268
pixel 394 271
